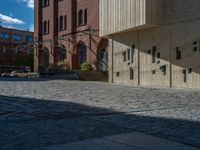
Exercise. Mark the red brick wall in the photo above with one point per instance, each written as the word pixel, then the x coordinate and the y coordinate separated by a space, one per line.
pixel 9 56
pixel 73 35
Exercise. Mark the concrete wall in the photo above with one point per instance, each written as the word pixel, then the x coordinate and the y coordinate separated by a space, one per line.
pixel 128 15
pixel 165 26
pixel 123 15
pixel 166 39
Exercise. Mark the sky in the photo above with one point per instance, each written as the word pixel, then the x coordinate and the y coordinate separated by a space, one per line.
pixel 17 14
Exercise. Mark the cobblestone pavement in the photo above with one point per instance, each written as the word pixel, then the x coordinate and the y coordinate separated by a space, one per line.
pixel 34 114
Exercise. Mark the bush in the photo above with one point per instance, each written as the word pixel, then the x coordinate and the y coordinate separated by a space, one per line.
pixel 86 66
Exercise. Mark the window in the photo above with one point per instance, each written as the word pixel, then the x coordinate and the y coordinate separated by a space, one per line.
pixel 190 70
pixel 45 3
pixel 154 72
pixel 80 17
pixel 17 37
pixel 132 53
pixel 163 69
pixel 29 38
pixel 129 53
pixel 154 54
pixel 184 75
pixel 62 55
pixel 131 74
pixel 118 74
pixel 61 23
pixel 4 36
pixel 48 27
pixel 195 46
pixel 124 56
pixel 178 53
pixel 85 16
pixel 158 55
pixel 45 27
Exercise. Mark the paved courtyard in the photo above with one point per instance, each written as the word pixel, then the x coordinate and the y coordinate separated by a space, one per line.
pixel 38 114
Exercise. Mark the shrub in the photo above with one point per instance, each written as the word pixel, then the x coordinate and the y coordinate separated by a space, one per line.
pixel 86 66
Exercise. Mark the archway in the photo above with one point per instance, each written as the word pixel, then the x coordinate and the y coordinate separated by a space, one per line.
pixel 82 53
pixel 103 60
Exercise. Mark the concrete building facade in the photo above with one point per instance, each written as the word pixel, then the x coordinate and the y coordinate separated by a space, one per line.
pixel 12 42
pixel 67 31
pixel 152 42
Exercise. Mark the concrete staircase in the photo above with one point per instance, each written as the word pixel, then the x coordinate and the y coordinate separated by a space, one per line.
pixel 93 75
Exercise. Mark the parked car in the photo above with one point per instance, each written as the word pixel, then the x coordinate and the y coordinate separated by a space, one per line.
pixel 5 74
pixel 19 73
pixel 23 74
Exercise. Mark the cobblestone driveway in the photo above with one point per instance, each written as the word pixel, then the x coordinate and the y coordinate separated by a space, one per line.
pixel 34 114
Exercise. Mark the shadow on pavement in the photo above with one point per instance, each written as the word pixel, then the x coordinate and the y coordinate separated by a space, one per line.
pixel 27 123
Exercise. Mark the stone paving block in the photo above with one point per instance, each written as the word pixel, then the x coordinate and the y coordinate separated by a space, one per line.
pixel 97 144
pixel 148 142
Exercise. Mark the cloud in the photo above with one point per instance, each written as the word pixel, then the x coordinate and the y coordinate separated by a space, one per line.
pixel 31 28
pixel 10 20
pixel 30 3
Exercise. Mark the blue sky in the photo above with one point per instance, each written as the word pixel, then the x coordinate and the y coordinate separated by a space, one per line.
pixel 17 14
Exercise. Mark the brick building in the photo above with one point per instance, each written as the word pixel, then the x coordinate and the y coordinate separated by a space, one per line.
pixel 152 42
pixel 67 31
pixel 11 41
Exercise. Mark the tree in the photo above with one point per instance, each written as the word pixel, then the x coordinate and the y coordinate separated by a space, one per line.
pixel 24 59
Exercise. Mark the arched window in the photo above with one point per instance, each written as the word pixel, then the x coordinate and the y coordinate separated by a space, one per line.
pixel 80 17
pixel 61 23
pixel 103 60
pixel 85 16
pixel 45 27
pixel 45 3
pixel 62 55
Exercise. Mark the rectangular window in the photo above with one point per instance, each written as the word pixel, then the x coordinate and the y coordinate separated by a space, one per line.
pixel 154 54
pixel 190 70
pixel 132 53
pixel 195 46
pixel 4 36
pixel 184 75
pixel 178 53
pixel 129 53
pixel 154 72
pixel 124 56
pixel 117 74
pixel 163 69
pixel 17 37
pixel 131 74
pixel 29 38
pixel 158 55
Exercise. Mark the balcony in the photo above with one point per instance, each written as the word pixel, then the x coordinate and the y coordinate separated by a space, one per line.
pixel 126 15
